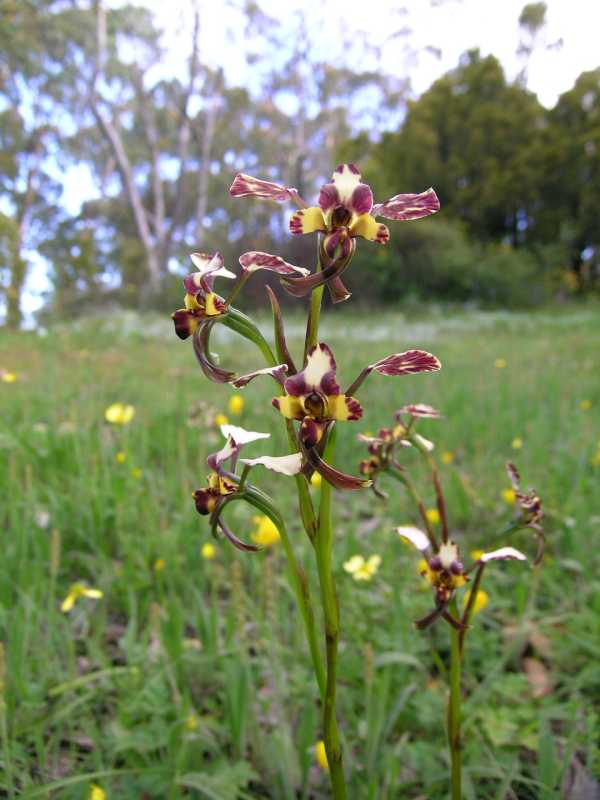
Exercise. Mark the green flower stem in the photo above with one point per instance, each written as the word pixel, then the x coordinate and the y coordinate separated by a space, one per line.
pixel 298 578
pixel 410 487
pixel 454 711
pixel 323 550
pixel 314 315
pixel 441 504
pixel 240 323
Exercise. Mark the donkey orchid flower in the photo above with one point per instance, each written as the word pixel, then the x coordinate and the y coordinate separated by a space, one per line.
pixel 200 301
pixel 445 572
pixel 345 212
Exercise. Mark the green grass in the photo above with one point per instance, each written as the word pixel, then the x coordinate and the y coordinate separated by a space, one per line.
pixel 194 680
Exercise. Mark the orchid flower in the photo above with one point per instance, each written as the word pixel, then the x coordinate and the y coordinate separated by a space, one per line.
pixel 530 508
pixel 222 481
pixel 344 212
pixel 200 302
pixel 445 572
pixel 314 398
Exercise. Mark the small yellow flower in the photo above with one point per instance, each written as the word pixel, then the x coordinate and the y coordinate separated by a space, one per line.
pixel 315 480
pixel 481 600
pixel 361 569
pixel 96 792
pixel 585 405
pixel 221 419
pixel 192 722
pixel 517 443
pixel 76 591
pixel 159 565
pixel 136 473
pixel 121 457
pixel 236 404
pixel 433 515
pixel 266 533
pixel 508 495
pixel 208 551
pixel 119 414
pixel 476 554
pixel 8 377
pixel 424 572
pixel 321 755
pixel 447 457
pixel 500 363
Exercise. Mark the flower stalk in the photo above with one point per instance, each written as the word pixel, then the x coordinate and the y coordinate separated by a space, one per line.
pixel 454 707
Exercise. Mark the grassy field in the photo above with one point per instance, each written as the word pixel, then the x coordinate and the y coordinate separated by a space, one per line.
pixel 190 676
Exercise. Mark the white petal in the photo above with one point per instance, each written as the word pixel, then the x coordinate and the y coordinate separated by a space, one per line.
pixel 211 264
pixel 414 536
pixel 503 554
pixel 424 442
pixel 240 435
pixel 286 465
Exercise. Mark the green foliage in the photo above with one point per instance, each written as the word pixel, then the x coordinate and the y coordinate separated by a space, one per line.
pixel 194 679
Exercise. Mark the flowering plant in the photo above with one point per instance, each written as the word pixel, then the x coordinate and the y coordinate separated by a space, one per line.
pixel 311 404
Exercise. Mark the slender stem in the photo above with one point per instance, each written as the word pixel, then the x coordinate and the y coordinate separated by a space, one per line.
pixel 441 503
pixel 454 710
pixel 302 592
pixel 470 605
pixel 314 315
pixel 323 550
pixel 410 487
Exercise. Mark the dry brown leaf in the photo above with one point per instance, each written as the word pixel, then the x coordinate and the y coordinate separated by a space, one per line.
pixel 538 676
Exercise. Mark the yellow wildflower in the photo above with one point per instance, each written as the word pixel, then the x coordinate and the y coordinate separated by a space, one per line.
pixel 8 377
pixel 266 533
pixel 517 443
pixel 508 495
pixel 159 565
pixel 433 515
pixel 121 457
pixel 208 551
pixel 321 755
pixel 76 591
pixel 221 419
pixel 447 457
pixel 481 600
pixel 236 404
pixel 315 479
pixel 361 569
pixel 476 554
pixel 96 792
pixel 119 414
pixel 585 405
pixel 191 722
pixel 136 473
pixel 500 363
pixel 595 460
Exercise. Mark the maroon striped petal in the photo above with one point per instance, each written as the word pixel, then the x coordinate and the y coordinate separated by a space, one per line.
pixel 238 543
pixel 201 349
pixel 283 353
pixel 407 363
pixel 340 480
pixel 247 186
pixel 255 260
pixel 278 373
pixel 408 206
pixel 419 410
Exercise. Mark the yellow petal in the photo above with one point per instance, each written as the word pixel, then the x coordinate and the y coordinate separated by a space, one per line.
pixel 517 443
pixel 354 564
pixel 97 793
pixel 307 220
pixel 315 479
pixel 68 603
pixel 367 226
pixel 8 377
pixel 266 533
pixel 289 406
pixel 236 404
pixel 433 515
pixel 585 405
pixel 343 408
pixel 500 363
pixel 210 307
pixel 95 594
pixel 221 419
pixel 321 755
pixel 481 601
pixel 508 495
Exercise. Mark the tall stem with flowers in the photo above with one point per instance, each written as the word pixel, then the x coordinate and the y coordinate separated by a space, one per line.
pixel 309 399
pixel 443 568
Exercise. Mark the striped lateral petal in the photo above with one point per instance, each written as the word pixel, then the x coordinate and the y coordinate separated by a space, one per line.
pixel 278 373
pixel 201 342
pixel 407 363
pixel 419 410
pixel 255 260
pixel 408 206
pixel 246 186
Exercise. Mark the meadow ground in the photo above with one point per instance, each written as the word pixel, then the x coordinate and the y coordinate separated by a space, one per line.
pixel 190 676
